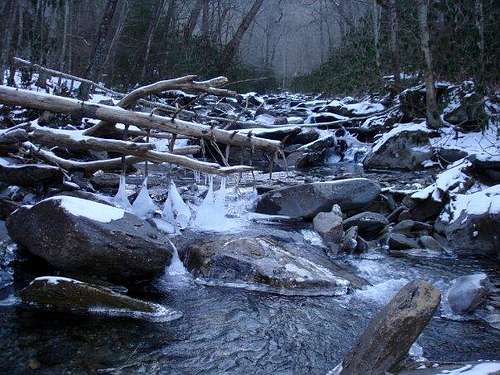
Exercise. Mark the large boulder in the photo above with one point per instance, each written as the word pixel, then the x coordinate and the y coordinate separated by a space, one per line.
pixel 307 200
pixel 471 223
pixel 369 224
pixel 265 263
pixel 29 175
pixel 468 292
pixel 84 237
pixel 404 147
pixel 62 294
pixel 393 330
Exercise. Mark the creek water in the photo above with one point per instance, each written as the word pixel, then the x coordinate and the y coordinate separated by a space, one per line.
pixel 233 330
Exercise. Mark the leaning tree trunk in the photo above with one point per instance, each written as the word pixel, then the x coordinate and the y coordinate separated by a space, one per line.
pixel 480 42
pixel 149 37
pixel 376 10
pixel 396 55
pixel 193 19
pixel 433 119
pixel 97 56
pixel 232 47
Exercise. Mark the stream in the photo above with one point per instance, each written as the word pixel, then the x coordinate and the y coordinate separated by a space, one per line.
pixel 235 330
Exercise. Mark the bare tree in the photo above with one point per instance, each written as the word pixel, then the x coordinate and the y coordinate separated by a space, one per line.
pixel 433 119
pixel 480 43
pixel 192 20
pixel 97 56
pixel 231 48
pixel 376 13
pixel 396 55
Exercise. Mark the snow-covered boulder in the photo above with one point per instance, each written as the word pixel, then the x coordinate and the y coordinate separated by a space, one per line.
pixel 85 237
pixel 404 147
pixel 62 294
pixel 471 222
pixel 468 292
pixel 354 109
pixel 486 166
pixel 307 200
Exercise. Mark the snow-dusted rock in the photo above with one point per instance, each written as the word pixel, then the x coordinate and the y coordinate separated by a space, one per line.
pixel 393 330
pixel 468 292
pixel 307 200
pixel 471 221
pixel 81 236
pixel 469 114
pixel 404 147
pixel 266 264
pixel 69 295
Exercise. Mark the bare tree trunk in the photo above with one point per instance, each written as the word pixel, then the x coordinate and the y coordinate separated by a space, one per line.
pixel 480 43
pixel 97 56
pixel 204 20
pixel 65 36
pixel 193 19
pixel 433 119
pixel 376 10
pixel 149 36
pixel 232 47
pixel 6 51
pixel 396 56
pixel 116 36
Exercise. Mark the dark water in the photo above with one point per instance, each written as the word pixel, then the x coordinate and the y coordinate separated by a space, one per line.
pixel 235 331
pixel 227 330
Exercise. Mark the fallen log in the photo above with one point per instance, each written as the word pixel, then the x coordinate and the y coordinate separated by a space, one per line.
pixel 72 165
pixel 76 141
pixel 41 101
pixel 182 83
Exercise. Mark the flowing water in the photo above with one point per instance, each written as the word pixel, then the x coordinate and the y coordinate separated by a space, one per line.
pixel 231 330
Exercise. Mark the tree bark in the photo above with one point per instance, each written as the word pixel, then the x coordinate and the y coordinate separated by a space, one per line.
pixel 376 10
pixel 97 56
pixel 62 56
pixel 116 36
pixel 396 55
pixel 232 47
pixel 479 10
pixel 433 119
pixel 149 36
pixel 193 19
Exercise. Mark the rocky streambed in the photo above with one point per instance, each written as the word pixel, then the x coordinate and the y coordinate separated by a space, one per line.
pixel 251 274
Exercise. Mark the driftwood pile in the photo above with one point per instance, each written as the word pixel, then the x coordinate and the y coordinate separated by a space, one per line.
pixel 134 145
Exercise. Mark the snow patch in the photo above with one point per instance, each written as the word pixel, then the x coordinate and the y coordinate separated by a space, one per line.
pixel 88 209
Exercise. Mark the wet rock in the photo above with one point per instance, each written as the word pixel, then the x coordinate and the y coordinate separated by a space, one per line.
pixel 468 292
pixel 329 226
pixel 393 330
pixel 307 200
pixel 412 227
pixel 89 238
pixel 69 295
pixel 369 224
pixel 266 264
pixel 429 242
pixel 399 241
pixel 306 136
pixel 404 147
pixel 350 239
pixel 29 175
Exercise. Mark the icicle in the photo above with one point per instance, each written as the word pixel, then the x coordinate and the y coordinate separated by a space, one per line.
pixel 211 214
pixel 175 211
pixel 121 199
pixel 143 205
pixel 176 267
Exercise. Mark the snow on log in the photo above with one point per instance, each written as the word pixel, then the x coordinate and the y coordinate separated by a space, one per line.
pixel 41 101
